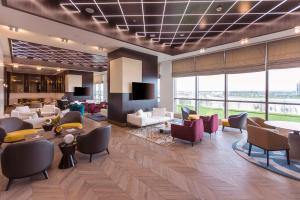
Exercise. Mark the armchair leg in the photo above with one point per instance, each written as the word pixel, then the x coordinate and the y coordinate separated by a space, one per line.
pixel 45 173
pixel 223 128
pixel 268 158
pixel 10 181
pixel 210 136
pixel 241 130
pixel 250 147
pixel 265 151
pixel 91 155
pixel 107 150
pixel 288 156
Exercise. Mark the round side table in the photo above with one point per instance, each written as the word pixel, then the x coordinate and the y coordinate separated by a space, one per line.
pixel 68 159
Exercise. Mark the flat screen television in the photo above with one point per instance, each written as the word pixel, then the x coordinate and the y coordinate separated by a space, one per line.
pixel 142 91
pixel 81 91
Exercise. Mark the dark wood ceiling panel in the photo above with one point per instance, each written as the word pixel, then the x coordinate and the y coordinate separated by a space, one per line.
pixel 163 25
pixel 37 52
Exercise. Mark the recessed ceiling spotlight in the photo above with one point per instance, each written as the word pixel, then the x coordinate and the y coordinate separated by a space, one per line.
pixel 15 66
pixel 181 35
pixel 152 35
pixel 219 8
pixel 297 29
pixel 13 28
pixel 58 69
pixel 90 10
pixel 134 20
pixel 39 68
pixel 202 50
pixel 244 41
pixel 64 40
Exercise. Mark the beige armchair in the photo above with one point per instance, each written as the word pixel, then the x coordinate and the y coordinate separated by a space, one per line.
pixel 267 139
pixel 257 121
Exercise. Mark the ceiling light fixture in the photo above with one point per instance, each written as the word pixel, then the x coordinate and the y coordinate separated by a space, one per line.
pixel 181 35
pixel 297 29
pixel 64 40
pixel 13 28
pixel 90 10
pixel 15 66
pixel 39 68
pixel 219 8
pixel 58 69
pixel 202 50
pixel 152 35
pixel 244 41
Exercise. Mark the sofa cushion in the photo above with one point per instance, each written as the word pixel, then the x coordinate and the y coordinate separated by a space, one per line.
pixel 139 112
pixel 23 109
pixel 159 112
pixel 69 126
pixel 19 135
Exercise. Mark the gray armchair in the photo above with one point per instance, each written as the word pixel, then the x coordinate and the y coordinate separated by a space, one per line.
pixel 236 121
pixel 186 112
pixel 25 159
pixel 71 117
pixel 94 142
pixel 12 124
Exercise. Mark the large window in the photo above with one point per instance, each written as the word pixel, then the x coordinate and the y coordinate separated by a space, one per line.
pixel 185 87
pixel 211 93
pixel 246 92
pixel 185 93
pixel 284 94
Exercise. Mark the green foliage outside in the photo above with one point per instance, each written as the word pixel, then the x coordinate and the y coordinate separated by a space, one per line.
pixel 220 112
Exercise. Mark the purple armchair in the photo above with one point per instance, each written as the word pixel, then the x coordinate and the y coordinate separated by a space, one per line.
pixel 211 123
pixel 190 131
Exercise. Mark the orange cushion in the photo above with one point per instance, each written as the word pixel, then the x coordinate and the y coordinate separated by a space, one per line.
pixel 225 122
pixel 193 117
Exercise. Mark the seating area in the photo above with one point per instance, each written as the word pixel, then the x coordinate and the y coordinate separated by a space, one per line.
pixel 149 100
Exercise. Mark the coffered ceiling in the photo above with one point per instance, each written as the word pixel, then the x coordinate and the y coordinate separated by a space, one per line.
pixel 37 54
pixel 169 26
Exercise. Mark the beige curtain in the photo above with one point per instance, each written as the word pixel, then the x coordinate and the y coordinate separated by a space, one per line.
pixel 246 59
pixel 284 53
pixel 210 64
pixel 183 67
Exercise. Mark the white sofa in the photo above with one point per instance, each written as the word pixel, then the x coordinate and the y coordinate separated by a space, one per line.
pixel 141 119
pixel 24 112
pixel 49 110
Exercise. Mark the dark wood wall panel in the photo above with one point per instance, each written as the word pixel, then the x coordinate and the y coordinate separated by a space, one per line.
pixel 87 81
pixel 120 104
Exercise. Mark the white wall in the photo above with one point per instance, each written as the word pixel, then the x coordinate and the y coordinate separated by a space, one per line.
pixel 166 85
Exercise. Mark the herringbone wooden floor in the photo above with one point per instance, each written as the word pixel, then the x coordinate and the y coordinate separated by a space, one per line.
pixel 140 170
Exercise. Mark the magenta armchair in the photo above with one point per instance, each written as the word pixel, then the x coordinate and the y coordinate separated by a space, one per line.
pixel 211 123
pixel 190 131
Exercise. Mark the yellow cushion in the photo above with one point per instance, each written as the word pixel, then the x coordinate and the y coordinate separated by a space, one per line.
pixel 193 117
pixel 19 135
pixel 69 125
pixel 225 122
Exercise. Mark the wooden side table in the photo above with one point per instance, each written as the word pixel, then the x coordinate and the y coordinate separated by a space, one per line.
pixel 68 159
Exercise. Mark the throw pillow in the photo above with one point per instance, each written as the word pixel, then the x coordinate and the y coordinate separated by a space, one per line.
pixel 139 112
pixel 159 112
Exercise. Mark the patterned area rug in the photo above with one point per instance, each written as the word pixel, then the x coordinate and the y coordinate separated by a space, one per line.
pixel 152 134
pixel 277 160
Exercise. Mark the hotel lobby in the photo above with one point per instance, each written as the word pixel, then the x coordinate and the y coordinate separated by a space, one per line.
pixel 146 100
